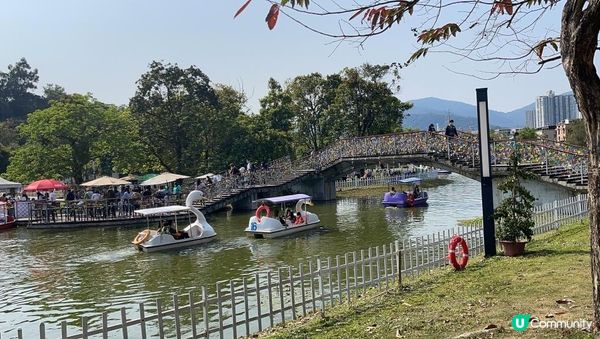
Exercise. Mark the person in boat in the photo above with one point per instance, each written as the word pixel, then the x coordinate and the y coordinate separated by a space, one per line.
pixel 393 191
pixel 289 215
pixel 299 220
pixel 416 191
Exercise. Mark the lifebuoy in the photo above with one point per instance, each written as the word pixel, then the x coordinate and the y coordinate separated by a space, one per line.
pixel 410 200
pixel 260 209
pixel 454 242
pixel 141 237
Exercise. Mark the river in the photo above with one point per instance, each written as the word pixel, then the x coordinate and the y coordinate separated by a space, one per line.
pixel 51 275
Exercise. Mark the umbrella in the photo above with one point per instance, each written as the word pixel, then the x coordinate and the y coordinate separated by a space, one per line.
pixel 204 176
pixel 45 185
pixel 163 178
pixel 106 181
pixel 130 177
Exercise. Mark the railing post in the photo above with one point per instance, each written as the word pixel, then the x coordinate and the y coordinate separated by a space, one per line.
pixel 398 263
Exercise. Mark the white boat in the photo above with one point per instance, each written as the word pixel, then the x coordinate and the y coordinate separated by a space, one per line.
pixel 275 224
pixel 167 237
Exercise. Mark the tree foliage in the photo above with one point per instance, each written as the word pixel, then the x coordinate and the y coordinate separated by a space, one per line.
pixel 67 139
pixel 576 133
pixel 527 133
pixel 16 98
pixel 174 107
pixel 514 214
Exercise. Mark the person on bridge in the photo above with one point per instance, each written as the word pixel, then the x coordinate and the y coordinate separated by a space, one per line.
pixel 451 130
pixel 431 128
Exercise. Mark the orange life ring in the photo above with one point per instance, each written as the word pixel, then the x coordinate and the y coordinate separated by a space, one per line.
pixel 260 209
pixel 454 242
pixel 141 237
pixel 410 200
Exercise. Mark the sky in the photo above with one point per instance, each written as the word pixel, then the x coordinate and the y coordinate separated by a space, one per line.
pixel 103 46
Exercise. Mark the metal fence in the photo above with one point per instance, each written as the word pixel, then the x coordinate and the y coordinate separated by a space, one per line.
pixel 260 300
pixel 383 180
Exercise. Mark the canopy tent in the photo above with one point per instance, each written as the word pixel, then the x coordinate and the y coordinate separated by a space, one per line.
pixel 5 184
pixel 146 176
pixel 207 175
pixel 105 181
pixel 45 185
pixel 163 178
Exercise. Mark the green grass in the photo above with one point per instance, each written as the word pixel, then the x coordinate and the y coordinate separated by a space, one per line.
pixel 371 191
pixel 446 303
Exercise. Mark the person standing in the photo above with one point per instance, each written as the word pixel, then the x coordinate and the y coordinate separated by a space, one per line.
pixel 451 130
pixel 431 128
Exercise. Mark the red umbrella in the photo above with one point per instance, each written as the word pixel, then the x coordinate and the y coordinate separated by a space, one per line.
pixel 45 185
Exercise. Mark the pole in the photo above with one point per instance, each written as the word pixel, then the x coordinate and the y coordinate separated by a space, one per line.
pixel 487 193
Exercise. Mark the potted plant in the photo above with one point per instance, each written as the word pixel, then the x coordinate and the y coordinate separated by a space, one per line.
pixel 514 215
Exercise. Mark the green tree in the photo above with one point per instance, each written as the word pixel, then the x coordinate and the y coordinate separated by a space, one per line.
pixel 366 103
pixel 67 139
pixel 312 97
pixel 576 132
pixel 527 134
pixel 16 98
pixel 54 92
pixel 168 106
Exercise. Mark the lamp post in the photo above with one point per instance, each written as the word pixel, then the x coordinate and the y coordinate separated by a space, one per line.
pixel 487 190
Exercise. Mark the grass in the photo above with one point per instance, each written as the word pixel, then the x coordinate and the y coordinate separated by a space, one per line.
pixel 371 191
pixel 489 292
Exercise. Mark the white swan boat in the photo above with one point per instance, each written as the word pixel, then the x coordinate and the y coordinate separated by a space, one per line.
pixel 167 237
pixel 277 224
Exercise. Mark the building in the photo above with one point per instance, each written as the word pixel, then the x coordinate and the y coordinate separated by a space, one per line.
pixel 561 131
pixel 552 109
pixel 530 119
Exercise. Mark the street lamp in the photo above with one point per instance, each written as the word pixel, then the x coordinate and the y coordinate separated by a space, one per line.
pixel 487 190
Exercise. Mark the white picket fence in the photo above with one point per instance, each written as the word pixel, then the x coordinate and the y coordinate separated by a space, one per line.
pixel 258 301
pixel 382 180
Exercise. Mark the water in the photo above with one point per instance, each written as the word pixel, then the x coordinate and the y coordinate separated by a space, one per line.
pixel 54 275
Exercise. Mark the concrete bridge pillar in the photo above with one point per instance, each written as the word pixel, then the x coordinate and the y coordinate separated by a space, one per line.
pixel 245 203
pixel 318 188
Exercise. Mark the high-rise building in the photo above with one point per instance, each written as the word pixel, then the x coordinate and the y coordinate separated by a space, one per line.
pixel 530 119
pixel 552 109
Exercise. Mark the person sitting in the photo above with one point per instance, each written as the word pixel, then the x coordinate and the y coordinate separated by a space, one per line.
pixel 289 215
pixel 416 191
pixel 393 191
pixel 299 219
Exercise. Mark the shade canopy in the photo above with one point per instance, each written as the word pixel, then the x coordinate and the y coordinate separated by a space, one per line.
pixel 106 181
pixel 162 210
pixel 45 185
pixel 5 184
pixel 207 175
pixel 163 178
pixel 284 198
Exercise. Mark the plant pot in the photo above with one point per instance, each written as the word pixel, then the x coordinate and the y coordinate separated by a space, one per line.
pixel 513 248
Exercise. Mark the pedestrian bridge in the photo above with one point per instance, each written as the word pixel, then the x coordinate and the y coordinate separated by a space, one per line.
pixel 315 174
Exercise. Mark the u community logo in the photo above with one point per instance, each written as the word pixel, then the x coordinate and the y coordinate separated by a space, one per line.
pixel 520 322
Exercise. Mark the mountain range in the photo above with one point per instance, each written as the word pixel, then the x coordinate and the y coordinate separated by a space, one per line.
pixel 436 111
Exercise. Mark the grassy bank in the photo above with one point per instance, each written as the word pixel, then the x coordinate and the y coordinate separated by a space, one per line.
pixel 489 292
pixel 380 190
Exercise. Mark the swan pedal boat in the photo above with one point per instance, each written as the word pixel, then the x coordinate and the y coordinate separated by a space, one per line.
pixel 197 232
pixel 406 199
pixel 270 226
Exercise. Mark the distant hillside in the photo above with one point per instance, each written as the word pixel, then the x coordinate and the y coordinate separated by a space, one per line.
pixel 435 111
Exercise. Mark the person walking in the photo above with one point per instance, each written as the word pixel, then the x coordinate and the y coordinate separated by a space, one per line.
pixel 451 130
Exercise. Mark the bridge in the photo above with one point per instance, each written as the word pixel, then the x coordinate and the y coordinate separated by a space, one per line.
pixel 315 174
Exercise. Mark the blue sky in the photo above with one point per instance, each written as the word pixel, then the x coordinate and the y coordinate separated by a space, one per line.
pixel 103 46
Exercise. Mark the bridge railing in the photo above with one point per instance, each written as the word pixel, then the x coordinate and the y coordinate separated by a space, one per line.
pixel 260 300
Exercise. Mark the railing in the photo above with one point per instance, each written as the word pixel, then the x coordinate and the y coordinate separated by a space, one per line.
pixel 260 300
pixel 383 180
